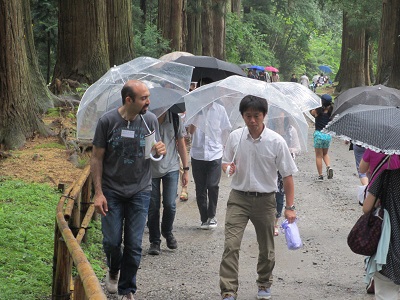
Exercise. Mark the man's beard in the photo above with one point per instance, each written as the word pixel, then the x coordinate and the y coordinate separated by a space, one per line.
pixel 144 110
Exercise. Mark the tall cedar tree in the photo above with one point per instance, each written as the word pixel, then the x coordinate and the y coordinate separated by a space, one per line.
pixel 193 42
pixel 170 22
pixel 394 79
pixel 120 31
pixel 23 93
pixel 219 17
pixel 207 28
pixel 82 41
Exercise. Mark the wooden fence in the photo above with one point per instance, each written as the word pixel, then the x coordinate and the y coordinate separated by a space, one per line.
pixel 74 212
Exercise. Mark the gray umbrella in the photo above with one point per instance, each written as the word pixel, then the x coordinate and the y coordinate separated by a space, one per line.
pixel 211 67
pixel 369 95
pixel 370 126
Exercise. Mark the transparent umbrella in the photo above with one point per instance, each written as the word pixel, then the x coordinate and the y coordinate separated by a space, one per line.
pixel 229 92
pixel 105 93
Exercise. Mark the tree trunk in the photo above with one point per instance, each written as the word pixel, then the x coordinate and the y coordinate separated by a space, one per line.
pixel 120 31
pixel 352 63
pixel 219 16
pixel 207 28
pixel 387 40
pixel 394 79
pixel 236 7
pixel 143 8
pixel 19 102
pixel 194 37
pixel 82 41
pixel 184 25
pixel 170 22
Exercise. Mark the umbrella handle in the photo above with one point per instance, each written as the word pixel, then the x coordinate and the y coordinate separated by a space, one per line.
pixel 228 168
pixel 156 158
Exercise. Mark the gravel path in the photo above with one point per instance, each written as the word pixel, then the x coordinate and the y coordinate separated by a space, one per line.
pixel 324 268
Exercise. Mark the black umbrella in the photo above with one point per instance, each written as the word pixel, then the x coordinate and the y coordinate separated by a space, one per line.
pixel 370 126
pixel 369 95
pixel 211 67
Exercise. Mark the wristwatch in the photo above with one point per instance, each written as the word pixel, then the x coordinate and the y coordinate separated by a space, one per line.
pixel 185 168
pixel 290 207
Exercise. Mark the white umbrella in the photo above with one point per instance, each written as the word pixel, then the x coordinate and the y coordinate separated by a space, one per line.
pixel 105 93
pixel 229 92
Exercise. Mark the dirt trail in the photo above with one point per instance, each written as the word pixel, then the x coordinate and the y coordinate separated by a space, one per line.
pixel 324 268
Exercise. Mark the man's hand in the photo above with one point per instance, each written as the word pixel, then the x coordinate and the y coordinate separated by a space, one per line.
pixel 159 147
pixel 232 168
pixel 100 204
pixel 290 215
pixel 185 178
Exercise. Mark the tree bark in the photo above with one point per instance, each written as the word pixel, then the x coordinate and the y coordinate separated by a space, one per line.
pixel 82 41
pixel 207 28
pixel 219 16
pixel 387 41
pixel 19 102
pixel 170 22
pixel 352 63
pixel 120 31
pixel 194 37
pixel 236 7
pixel 394 79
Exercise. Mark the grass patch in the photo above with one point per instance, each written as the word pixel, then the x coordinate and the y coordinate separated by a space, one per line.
pixel 27 218
pixel 50 145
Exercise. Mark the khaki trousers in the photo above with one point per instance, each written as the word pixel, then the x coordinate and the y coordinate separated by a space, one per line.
pixel 260 210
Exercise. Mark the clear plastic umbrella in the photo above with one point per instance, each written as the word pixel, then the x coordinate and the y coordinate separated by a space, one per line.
pixel 282 111
pixel 105 93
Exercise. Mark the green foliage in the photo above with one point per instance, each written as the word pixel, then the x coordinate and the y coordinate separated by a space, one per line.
pixel 27 214
pixel 27 220
pixel 45 31
pixel 150 42
pixel 244 44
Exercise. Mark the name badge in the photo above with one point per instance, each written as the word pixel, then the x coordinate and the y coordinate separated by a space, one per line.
pixel 128 133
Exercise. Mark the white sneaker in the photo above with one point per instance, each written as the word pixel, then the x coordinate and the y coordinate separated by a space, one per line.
pixel 212 223
pixel 329 172
pixel 205 226
pixel 112 282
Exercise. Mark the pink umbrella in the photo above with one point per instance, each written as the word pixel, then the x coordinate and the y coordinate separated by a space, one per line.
pixel 271 69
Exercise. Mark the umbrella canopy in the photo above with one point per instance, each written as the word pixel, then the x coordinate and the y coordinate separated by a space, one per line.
pixel 369 95
pixel 303 97
pixel 245 66
pixel 325 69
pixel 162 99
pixel 258 68
pixel 174 55
pixel 229 92
pixel 105 93
pixel 271 69
pixel 210 67
pixel 370 126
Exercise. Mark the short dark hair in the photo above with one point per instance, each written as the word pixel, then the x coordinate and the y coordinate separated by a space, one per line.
pixel 254 103
pixel 126 91
pixel 204 80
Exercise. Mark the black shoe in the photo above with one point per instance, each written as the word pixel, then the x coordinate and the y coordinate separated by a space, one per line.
pixel 171 241
pixel 154 249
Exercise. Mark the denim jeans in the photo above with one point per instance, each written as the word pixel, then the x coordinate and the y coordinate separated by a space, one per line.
pixel 169 194
pixel 127 217
pixel 206 176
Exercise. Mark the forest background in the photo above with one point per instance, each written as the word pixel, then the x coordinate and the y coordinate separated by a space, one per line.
pixel 51 47
pixel 51 51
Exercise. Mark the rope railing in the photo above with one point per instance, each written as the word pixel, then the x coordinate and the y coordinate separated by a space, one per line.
pixel 73 215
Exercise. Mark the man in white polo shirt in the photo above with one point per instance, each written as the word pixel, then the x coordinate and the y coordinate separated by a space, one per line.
pixel 261 152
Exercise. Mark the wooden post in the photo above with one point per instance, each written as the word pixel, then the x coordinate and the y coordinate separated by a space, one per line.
pixel 61 287
pixel 79 291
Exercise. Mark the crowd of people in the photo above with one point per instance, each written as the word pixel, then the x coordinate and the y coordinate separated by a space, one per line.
pixel 128 186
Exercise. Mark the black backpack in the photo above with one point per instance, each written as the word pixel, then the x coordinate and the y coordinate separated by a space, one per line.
pixel 175 122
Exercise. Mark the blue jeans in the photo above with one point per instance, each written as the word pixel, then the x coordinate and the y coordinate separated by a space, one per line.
pixel 125 216
pixel 169 193
pixel 206 175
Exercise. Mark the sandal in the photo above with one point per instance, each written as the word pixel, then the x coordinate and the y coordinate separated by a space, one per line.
pixel 276 230
pixel 184 196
